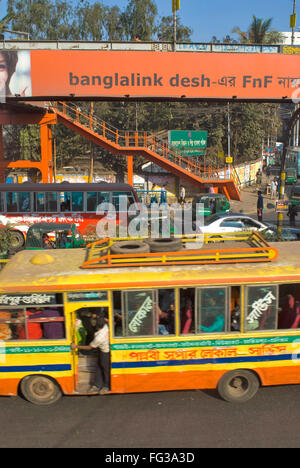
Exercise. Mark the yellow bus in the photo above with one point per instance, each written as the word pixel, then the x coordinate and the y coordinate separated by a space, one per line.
pixel 234 327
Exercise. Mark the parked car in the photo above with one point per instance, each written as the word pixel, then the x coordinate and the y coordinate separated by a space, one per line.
pixel 230 222
pixel 287 234
pixel 53 236
pixel 212 203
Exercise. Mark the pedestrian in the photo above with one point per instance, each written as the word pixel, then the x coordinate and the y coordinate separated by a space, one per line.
pixel 153 194
pixel 274 189
pixel 260 206
pixel 213 206
pixel 163 195
pixel 101 343
pixel 292 213
pixel 258 178
pixel 181 195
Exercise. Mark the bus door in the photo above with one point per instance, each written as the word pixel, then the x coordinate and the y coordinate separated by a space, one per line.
pixel 84 308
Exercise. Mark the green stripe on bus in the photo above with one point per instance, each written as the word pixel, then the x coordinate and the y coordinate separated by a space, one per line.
pixel 34 349
pixel 205 343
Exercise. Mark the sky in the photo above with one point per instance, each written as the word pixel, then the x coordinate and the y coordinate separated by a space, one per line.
pixel 208 18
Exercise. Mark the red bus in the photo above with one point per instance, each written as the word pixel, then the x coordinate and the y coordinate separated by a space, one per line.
pixel 24 204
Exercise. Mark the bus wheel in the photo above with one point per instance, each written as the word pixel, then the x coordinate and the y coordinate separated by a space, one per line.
pixel 238 386
pixel 40 390
pixel 17 241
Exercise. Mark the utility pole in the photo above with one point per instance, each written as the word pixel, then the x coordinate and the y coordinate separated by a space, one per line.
pixel 91 170
pixel 175 7
pixel 228 135
pixel 293 21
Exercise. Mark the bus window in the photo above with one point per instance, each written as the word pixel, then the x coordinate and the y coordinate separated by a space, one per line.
pixel 24 202
pixel 96 198
pixel 140 313
pixel 117 314
pixel 11 202
pixel 103 197
pixel 1 203
pixel 31 322
pixel 289 306
pixel 212 307
pixel 91 201
pixel 235 309
pixel 65 201
pixel 187 311
pixel 122 200
pixel 261 307
pixel 45 202
pixel 51 202
pixel 40 202
pixel 166 312
pixel 77 201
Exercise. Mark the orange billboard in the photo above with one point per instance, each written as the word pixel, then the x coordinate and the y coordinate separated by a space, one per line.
pixel 143 74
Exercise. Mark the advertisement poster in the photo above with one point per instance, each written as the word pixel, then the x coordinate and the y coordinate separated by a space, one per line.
pixel 145 74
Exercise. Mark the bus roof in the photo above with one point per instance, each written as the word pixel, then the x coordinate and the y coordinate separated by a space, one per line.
pixel 66 187
pixel 62 272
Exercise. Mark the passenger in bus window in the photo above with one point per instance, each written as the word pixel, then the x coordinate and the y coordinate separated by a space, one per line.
pixel 289 316
pixel 213 308
pixel 5 330
pixel 52 330
pixel 217 325
pixel 101 343
pixel 34 330
pixel 297 315
pixel 187 316
pixel 236 318
pixel 26 204
pixel 162 322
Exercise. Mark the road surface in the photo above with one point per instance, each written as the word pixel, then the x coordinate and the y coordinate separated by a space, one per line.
pixel 185 419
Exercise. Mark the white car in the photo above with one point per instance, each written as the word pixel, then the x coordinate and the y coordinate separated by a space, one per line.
pixel 230 222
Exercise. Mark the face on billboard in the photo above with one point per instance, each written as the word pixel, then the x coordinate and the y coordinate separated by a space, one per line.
pixel 15 74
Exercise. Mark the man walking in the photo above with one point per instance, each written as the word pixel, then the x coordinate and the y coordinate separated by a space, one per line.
pixel 260 206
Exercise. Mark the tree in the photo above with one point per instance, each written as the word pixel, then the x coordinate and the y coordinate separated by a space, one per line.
pixel 113 25
pixel 165 30
pixel 259 32
pixel 138 20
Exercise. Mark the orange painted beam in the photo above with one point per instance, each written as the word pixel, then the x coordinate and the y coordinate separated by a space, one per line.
pixel 38 118
pixel 130 170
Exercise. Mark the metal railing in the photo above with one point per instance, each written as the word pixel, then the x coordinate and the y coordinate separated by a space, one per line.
pixel 140 141
pixel 258 250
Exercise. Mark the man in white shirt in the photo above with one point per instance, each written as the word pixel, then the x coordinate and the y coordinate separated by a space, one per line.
pixel 100 342
pixel 182 195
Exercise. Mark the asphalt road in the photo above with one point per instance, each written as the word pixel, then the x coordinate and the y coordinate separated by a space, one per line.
pixel 185 419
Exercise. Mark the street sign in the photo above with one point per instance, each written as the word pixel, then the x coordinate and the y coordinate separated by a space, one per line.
pixel 282 206
pixel 191 142
pixel 229 160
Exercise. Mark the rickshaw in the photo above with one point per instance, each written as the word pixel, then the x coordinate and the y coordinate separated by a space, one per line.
pixel 53 236
pixel 212 203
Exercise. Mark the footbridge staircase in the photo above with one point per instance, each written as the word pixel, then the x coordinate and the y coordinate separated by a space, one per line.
pixel 151 147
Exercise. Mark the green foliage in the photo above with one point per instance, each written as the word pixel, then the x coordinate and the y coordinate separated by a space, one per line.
pixel 138 20
pixel 5 240
pixel 259 32
pixel 165 30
